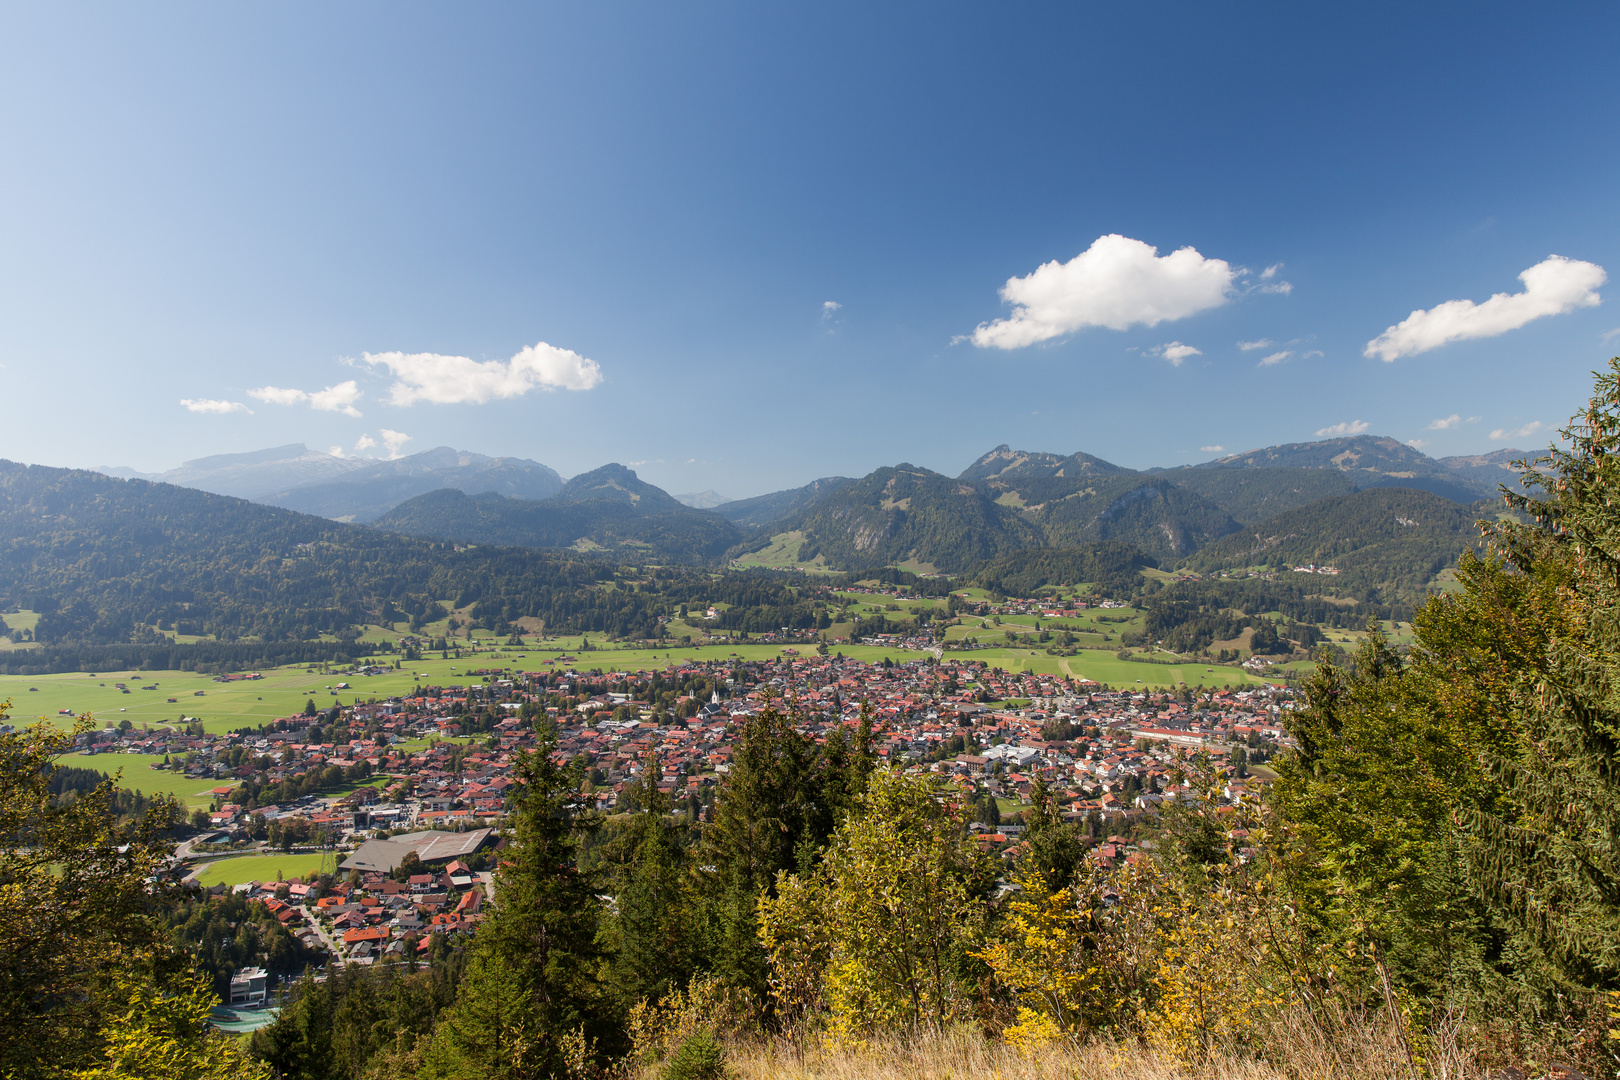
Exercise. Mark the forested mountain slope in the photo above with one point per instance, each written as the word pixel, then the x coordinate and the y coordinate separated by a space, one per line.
pixel 1253 495
pixel 109 560
pixel 1114 568
pixel 1380 538
pixel 764 509
pixel 650 529
pixel 907 513
pixel 1160 518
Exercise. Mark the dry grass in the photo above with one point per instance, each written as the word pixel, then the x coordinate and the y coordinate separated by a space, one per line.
pixel 1292 1052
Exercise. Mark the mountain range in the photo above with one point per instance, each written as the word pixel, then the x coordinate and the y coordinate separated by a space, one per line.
pixel 1006 501
pixel 350 488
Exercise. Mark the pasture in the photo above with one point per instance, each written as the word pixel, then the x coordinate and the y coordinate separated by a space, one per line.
pixel 236 869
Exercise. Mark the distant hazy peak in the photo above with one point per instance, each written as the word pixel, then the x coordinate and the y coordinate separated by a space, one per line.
pixel 1502 459
pixel 290 452
pixel 703 500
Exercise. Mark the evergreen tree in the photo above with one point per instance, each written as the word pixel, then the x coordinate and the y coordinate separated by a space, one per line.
pixel 1054 848
pixel 533 981
pixel 763 819
pixel 657 932
pixel 1458 809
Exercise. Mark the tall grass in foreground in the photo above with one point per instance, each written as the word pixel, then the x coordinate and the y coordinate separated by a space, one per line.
pixel 1369 1050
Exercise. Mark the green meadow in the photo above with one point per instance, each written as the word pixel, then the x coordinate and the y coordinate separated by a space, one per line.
pixel 138 775
pixel 222 707
pixel 241 868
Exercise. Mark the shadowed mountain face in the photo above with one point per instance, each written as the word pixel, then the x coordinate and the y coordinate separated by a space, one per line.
pixel 616 483
pixel 105 560
pixel 1377 538
pixel 609 511
pixel 902 514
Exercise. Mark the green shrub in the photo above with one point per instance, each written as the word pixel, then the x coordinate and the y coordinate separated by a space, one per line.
pixel 699 1058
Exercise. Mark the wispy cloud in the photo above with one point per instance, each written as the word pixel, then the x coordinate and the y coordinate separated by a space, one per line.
pixel 456 380
pixel 1554 286
pixel 1117 282
pixel 1276 358
pixel 1349 427
pixel 1610 335
pixel 338 399
pixel 1447 423
pixel 212 405
pixel 1175 352
pixel 829 308
pixel 1270 283
pixel 1212 449
pixel 1261 343
pixel 1532 428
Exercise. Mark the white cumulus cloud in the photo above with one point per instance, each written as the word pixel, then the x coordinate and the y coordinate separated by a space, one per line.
pixel 454 380
pixel 1349 427
pixel 1176 352
pixel 1446 423
pixel 212 405
pixel 364 442
pixel 829 307
pixel 338 399
pixel 1117 282
pixel 1554 286
pixel 1276 358
pixel 1529 429
pixel 1417 444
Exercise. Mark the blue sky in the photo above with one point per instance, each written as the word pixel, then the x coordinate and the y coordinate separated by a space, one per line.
pixel 628 221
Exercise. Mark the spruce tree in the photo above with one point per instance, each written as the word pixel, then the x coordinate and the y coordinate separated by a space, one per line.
pixel 657 932
pixel 533 978
pixel 1546 852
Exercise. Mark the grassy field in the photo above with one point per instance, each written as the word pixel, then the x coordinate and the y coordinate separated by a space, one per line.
pixel 237 869
pixel 283 691
pixel 138 775
pixel 1105 667
pixel 19 620
pixel 781 554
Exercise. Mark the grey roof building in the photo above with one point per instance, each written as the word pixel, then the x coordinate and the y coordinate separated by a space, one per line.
pixel 384 856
